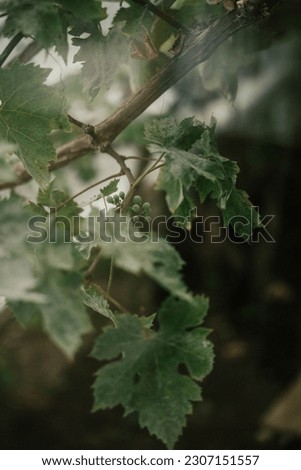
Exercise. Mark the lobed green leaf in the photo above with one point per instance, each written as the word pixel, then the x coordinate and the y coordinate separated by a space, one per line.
pixel 193 166
pixel 144 375
pixel 29 111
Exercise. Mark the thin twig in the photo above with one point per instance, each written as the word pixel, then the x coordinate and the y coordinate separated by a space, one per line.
pixel 155 168
pixel 113 301
pixel 10 47
pixel 86 128
pixel 110 276
pixel 121 162
pixel 167 17
pixel 107 296
pixel 93 265
pixel 147 159
pixel 148 170
pixel 89 187
pixel 74 121
pixel 24 178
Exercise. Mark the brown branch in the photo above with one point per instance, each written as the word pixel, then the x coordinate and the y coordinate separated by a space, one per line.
pixel 23 178
pixel 74 121
pixel 93 265
pixel 121 162
pixel 86 128
pixel 198 47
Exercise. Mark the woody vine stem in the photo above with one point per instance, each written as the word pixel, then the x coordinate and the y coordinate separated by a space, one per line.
pixel 198 46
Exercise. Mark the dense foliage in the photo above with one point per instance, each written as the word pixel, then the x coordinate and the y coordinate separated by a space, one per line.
pixel 50 257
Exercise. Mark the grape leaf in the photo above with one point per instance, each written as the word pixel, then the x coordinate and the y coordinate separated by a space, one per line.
pixel 48 21
pixel 191 158
pixel 144 375
pixel 39 277
pixel 164 132
pixel 93 298
pixel 13 227
pixel 64 316
pixel 17 281
pixel 63 209
pixel 31 315
pixel 60 310
pixel 29 111
pixel 106 190
pixel 241 214
pixel 134 251
pixel 110 188
pixel 190 12
pixel 193 165
pixel 101 57
pixel 17 277
pixel 38 19
pixel 133 17
pixel 157 259
pixel 147 322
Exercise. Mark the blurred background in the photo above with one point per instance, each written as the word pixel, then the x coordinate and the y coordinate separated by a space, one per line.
pixel 252 399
